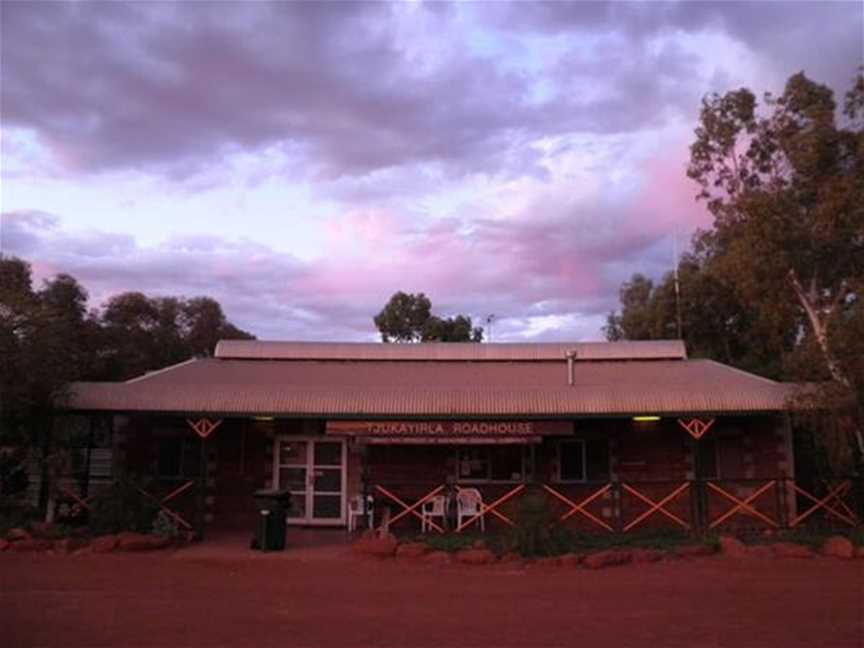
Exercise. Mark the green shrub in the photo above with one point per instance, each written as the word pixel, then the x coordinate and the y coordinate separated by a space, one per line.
pixel 661 540
pixel 450 541
pixel 58 531
pixel 14 514
pixel 13 475
pixel 535 533
pixel 164 525
pixel 121 508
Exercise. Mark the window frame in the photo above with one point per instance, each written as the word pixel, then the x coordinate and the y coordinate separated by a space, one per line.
pixel 185 471
pixel 583 441
pixel 559 478
pixel 527 465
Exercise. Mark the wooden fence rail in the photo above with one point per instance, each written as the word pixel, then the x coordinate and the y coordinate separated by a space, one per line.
pixel 692 506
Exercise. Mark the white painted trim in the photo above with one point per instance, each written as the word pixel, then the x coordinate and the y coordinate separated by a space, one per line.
pixel 309 491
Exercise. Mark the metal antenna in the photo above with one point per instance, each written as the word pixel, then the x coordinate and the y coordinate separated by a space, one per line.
pixel 489 320
pixel 677 283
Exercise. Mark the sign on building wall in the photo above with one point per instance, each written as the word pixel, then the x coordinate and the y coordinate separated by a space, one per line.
pixel 444 429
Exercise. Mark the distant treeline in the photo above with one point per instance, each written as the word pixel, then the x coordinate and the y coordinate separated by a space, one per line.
pixel 49 338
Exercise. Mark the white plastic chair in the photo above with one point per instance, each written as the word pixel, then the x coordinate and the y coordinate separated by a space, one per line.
pixel 434 507
pixel 355 511
pixel 469 502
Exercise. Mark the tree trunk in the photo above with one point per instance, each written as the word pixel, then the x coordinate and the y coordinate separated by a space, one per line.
pixel 819 323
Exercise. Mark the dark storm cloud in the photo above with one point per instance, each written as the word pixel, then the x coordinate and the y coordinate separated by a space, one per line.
pixel 824 38
pixel 171 87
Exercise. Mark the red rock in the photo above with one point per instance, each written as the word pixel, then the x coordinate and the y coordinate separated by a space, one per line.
pixel 104 544
pixel 791 550
pixel 34 544
pixel 68 545
pixel 510 557
pixel 42 529
pixel 411 550
pixel 732 547
pixel 4 544
pixel 438 558
pixel 570 560
pixel 479 544
pixel 475 557
pixel 380 546
pixel 760 551
pixel 646 555
pixel 141 542
pixel 608 558
pixel 839 547
pixel 689 551
pixel 548 561
pixel 18 534
pixel 859 552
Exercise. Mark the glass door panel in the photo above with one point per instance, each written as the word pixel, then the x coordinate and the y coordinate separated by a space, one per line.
pixel 293 458
pixel 327 507
pixel 327 480
pixel 293 479
pixel 314 472
pixel 328 453
pixel 293 453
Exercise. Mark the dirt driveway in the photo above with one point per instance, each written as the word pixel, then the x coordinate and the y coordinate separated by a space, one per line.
pixel 321 598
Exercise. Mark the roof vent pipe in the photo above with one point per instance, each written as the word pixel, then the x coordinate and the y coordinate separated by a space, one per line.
pixel 571 356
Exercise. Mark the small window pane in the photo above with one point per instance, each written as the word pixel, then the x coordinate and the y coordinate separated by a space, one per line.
pixel 170 457
pixel 506 463
pixel 707 468
pixel 298 505
pixel 191 458
pixel 328 480
pixel 474 463
pixel 730 456
pixel 327 506
pixel 572 464
pixel 328 454
pixel 597 458
pixel 292 452
pixel 292 478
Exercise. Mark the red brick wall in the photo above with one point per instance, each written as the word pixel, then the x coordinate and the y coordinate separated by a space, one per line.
pixel 240 461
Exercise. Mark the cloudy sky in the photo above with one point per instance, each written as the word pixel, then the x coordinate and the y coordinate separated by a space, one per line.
pixel 302 162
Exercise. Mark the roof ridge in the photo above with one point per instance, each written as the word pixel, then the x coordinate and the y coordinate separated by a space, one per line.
pixel 150 374
pixel 460 351
pixel 741 371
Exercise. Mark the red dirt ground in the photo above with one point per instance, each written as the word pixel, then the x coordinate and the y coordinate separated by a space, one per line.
pixel 321 597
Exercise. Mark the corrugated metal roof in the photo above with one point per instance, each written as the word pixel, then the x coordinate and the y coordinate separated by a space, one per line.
pixel 438 389
pixel 451 351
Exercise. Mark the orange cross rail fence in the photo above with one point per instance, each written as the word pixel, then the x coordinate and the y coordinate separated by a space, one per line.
pixel 688 506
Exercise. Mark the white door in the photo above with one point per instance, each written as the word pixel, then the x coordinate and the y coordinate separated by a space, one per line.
pixel 314 471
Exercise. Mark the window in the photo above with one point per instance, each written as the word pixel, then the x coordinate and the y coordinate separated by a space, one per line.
pixel 505 463
pixel 178 457
pixel 707 468
pixel 721 457
pixel 583 460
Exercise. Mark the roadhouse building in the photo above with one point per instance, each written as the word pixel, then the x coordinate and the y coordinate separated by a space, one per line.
pixel 615 435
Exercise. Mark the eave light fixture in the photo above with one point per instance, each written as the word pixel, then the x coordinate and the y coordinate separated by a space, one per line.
pixel 645 418
pixel 262 418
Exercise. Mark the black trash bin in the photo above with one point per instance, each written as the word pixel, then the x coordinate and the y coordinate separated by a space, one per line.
pixel 273 507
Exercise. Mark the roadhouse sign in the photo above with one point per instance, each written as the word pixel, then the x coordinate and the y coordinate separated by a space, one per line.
pixel 450 428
